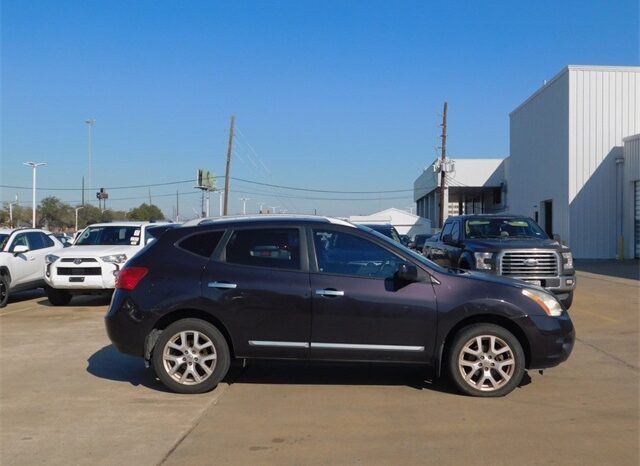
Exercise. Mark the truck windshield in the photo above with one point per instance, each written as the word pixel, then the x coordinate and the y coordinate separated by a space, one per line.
pixel 110 235
pixel 505 228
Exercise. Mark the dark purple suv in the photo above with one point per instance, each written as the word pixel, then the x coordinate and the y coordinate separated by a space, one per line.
pixel 322 289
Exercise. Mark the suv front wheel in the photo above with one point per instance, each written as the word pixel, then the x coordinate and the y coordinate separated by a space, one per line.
pixel 485 360
pixel 191 356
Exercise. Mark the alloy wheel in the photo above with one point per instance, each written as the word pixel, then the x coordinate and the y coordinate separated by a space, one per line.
pixel 189 357
pixel 486 363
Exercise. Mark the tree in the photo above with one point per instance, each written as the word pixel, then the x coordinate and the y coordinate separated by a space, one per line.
pixel 148 212
pixel 55 213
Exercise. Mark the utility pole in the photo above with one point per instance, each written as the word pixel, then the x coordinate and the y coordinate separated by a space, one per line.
pixel 150 202
pixel 177 206
pixel 77 209
pixel 444 198
pixel 228 171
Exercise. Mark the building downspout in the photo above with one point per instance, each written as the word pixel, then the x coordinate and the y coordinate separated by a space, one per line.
pixel 620 206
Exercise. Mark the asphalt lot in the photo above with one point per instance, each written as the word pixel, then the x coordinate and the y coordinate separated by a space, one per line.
pixel 67 397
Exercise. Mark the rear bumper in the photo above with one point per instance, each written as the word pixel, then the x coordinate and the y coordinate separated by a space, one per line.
pixel 126 326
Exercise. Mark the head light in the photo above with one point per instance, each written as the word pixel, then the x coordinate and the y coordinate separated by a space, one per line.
pixel 567 260
pixel 547 302
pixel 115 258
pixel 50 258
pixel 483 260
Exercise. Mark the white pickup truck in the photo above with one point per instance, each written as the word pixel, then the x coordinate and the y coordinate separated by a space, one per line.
pixel 91 264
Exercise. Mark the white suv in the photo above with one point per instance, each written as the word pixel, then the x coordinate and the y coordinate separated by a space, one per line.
pixel 22 257
pixel 91 264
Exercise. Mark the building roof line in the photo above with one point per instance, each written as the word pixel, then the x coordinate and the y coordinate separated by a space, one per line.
pixel 568 68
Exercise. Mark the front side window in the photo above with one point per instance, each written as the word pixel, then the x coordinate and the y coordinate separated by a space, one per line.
pixel 447 229
pixel 343 253
pixel 455 232
pixel 21 240
pixel 273 248
pixel 110 235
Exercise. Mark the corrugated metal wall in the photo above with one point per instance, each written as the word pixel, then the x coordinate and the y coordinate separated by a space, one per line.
pixel 631 175
pixel 539 145
pixel 604 107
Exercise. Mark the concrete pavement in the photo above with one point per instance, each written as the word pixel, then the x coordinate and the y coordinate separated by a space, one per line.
pixel 67 397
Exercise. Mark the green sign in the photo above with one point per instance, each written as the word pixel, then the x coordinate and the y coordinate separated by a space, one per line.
pixel 206 180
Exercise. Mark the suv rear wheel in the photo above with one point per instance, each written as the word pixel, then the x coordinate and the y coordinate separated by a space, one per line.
pixel 485 360
pixel 191 356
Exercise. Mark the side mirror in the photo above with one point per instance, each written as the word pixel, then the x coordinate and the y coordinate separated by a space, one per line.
pixel 407 273
pixel 447 239
pixel 19 249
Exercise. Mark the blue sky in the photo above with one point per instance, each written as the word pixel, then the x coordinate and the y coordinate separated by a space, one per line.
pixel 331 95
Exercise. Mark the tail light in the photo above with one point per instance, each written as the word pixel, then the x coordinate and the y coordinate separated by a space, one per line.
pixel 129 277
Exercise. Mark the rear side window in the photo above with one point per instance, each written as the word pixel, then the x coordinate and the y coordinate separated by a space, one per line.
pixel 273 248
pixel 35 241
pixel 202 244
pixel 47 241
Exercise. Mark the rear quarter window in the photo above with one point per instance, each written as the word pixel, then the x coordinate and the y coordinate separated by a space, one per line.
pixel 201 244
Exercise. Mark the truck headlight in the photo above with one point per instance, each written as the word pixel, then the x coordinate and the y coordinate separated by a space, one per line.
pixel 115 258
pixel 483 260
pixel 567 260
pixel 50 258
pixel 547 302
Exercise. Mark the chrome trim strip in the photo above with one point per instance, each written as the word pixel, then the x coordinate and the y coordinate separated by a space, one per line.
pixel 222 285
pixel 366 347
pixel 279 344
pixel 329 293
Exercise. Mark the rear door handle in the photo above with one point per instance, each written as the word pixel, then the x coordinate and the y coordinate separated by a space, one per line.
pixel 222 285
pixel 329 292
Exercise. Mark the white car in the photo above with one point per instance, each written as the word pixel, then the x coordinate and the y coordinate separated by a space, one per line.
pixel 22 258
pixel 91 264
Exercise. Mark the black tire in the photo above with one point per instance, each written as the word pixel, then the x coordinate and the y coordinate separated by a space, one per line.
pixel 57 297
pixel 483 378
pixel 4 290
pixel 568 301
pixel 191 361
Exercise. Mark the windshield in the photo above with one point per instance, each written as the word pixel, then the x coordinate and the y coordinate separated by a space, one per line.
pixel 387 230
pixel 418 257
pixel 504 228
pixel 110 236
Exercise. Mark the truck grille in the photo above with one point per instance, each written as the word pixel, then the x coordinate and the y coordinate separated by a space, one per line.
pixel 529 264
pixel 75 271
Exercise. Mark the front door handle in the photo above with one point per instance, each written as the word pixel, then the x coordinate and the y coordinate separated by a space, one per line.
pixel 329 292
pixel 222 285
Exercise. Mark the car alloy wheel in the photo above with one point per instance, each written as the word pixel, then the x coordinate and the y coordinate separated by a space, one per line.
pixel 189 357
pixel 486 363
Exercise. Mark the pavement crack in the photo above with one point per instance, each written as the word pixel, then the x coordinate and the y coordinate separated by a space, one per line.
pixel 620 360
pixel 213 402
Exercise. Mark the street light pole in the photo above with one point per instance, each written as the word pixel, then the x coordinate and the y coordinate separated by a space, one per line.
pixel 90 122
pixel 77 209
pixel 244 204
pixel 34 166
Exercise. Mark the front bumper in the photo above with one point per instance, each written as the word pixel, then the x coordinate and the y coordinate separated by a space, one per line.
pixel 551 340
pixel 75 279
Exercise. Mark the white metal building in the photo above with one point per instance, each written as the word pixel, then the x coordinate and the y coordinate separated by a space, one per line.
pixel 474 186
pixel 567 160
pixel 406 223
pixel 631 196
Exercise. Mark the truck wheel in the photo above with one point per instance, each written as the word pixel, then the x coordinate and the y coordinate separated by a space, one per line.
pixel 191 356
pixel 485 360
pixel 4 290
pixel 57 297
pixel 568 301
